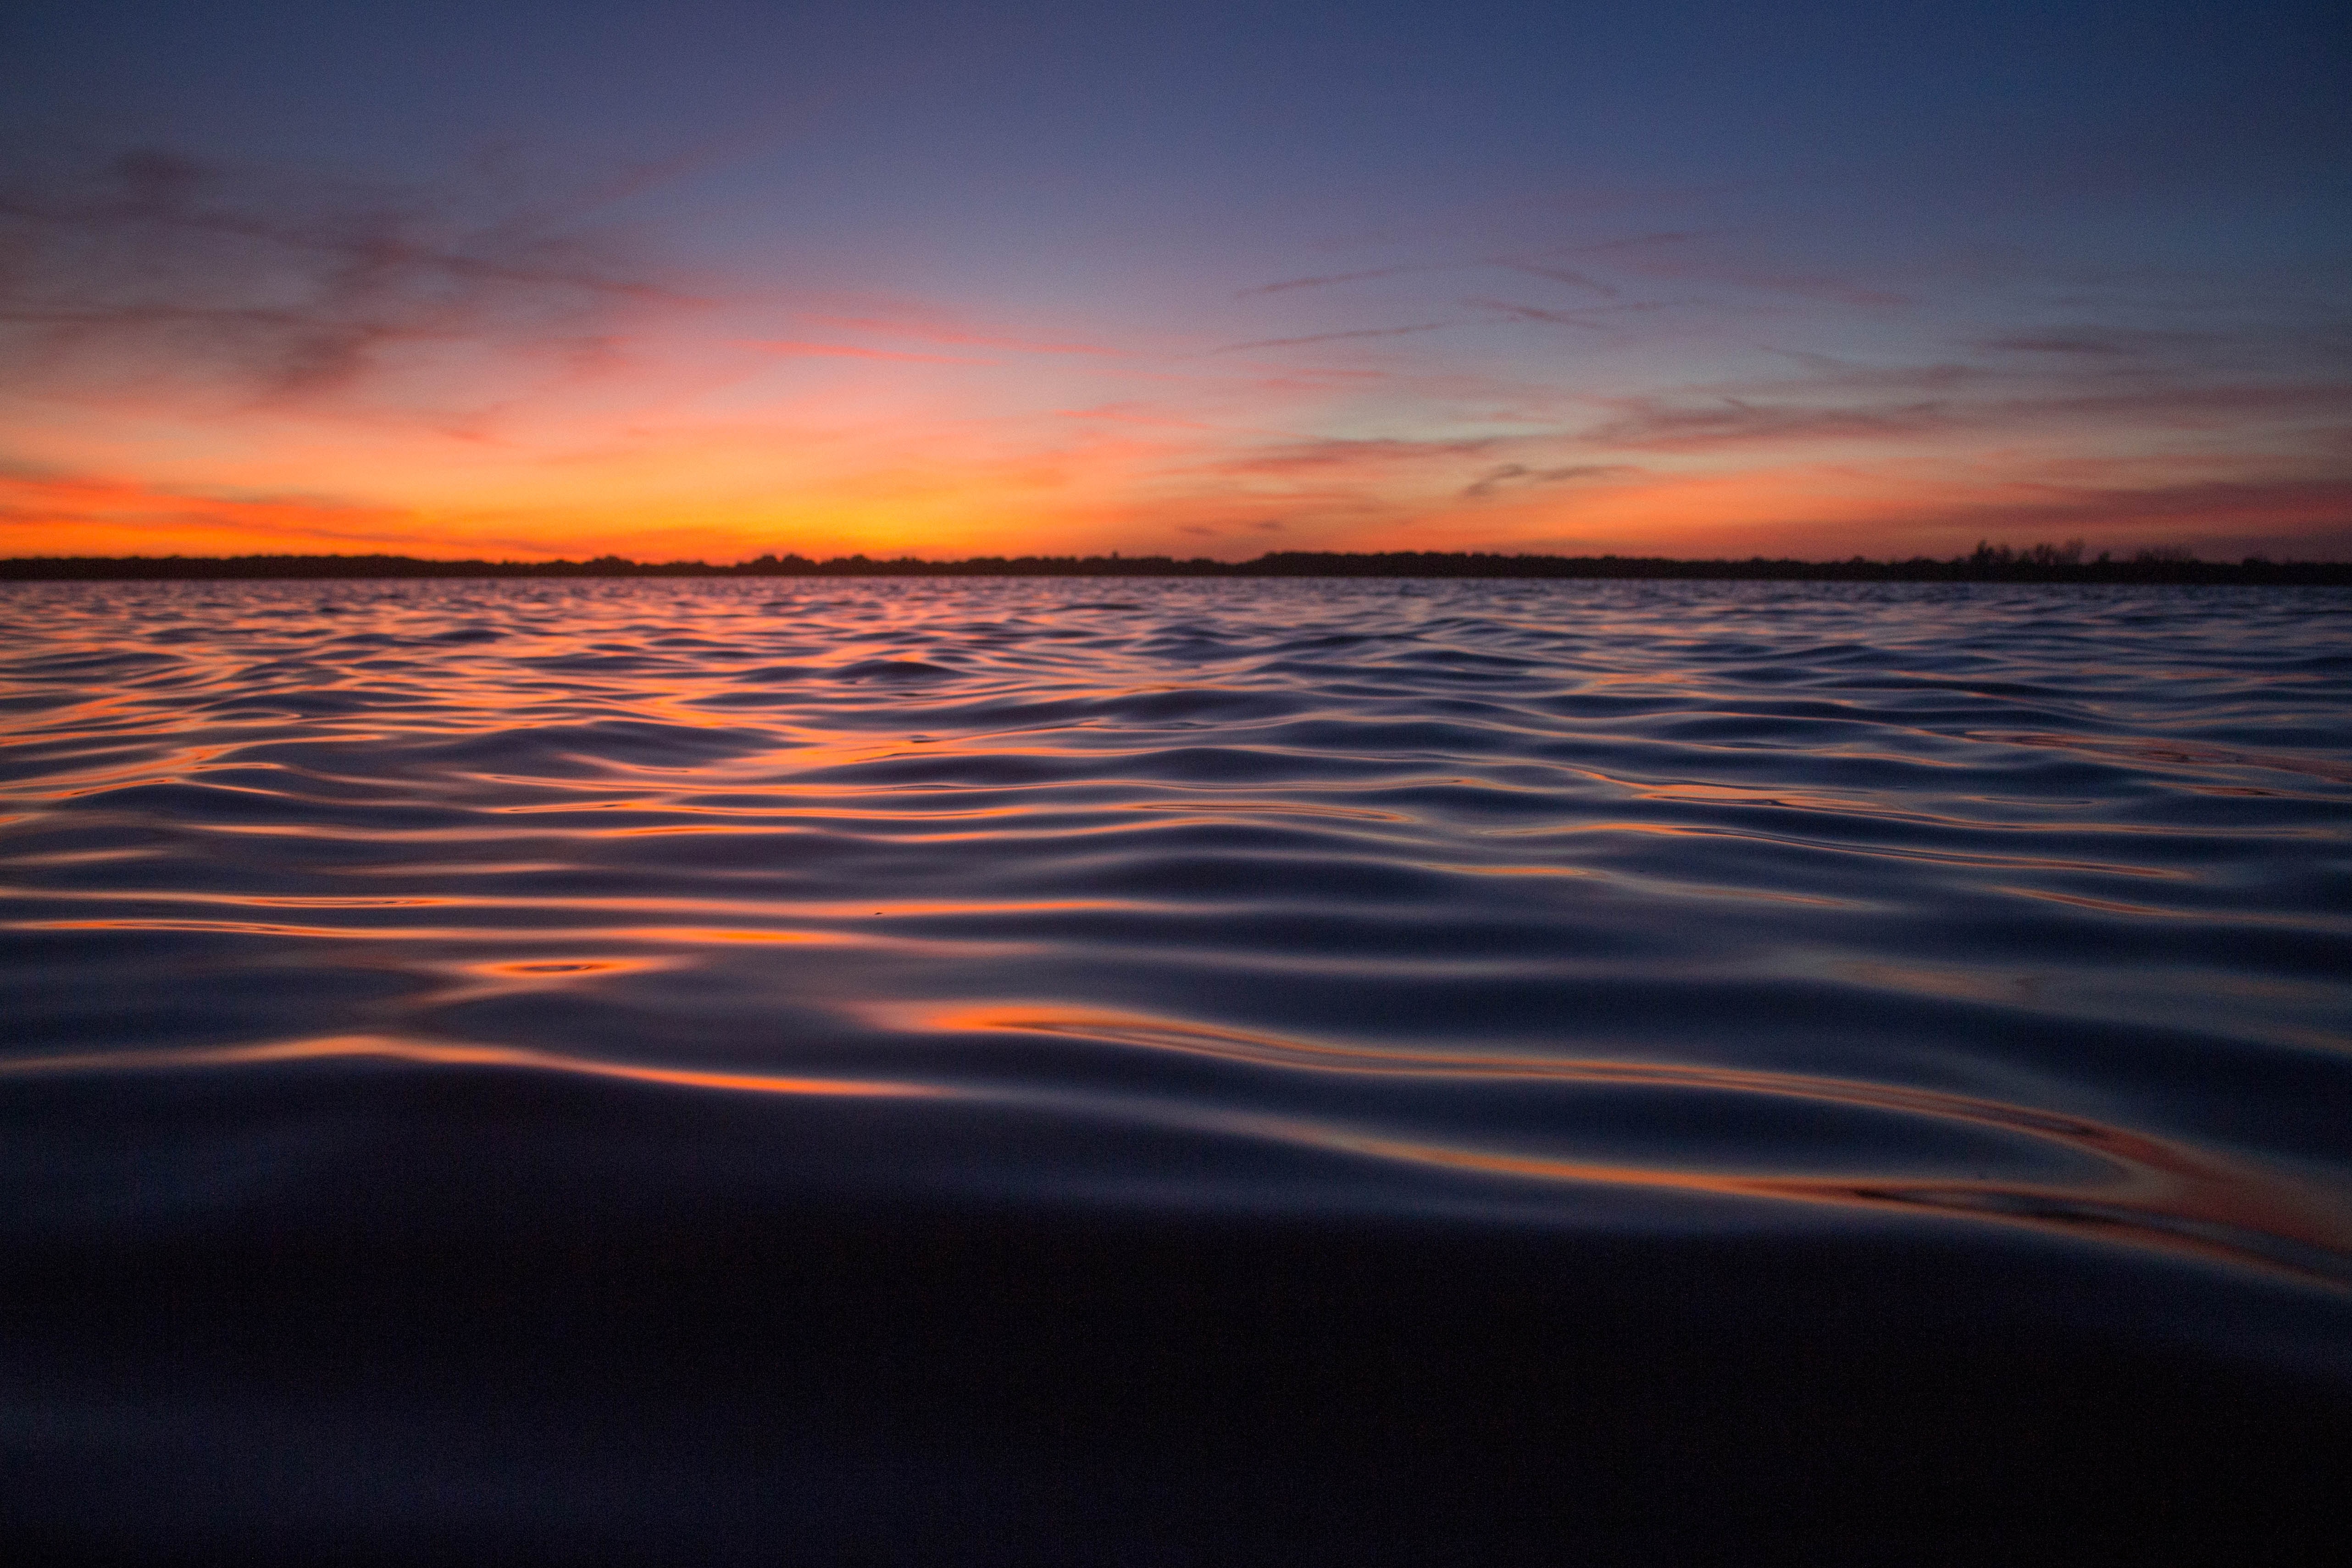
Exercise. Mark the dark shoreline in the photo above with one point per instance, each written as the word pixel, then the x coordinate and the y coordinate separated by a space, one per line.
pixel 1984 566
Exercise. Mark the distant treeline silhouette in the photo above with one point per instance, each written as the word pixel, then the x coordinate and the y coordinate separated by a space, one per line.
pixel 1987 563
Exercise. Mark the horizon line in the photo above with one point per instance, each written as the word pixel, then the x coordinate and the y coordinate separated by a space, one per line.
pixel 1987 562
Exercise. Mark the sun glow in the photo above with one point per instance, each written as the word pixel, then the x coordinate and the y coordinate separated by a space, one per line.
pixel 524 398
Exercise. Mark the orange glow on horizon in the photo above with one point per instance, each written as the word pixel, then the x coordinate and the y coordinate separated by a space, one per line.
pixel 944 439
pixel 1070 505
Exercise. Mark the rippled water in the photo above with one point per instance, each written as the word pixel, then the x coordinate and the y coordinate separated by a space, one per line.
pixel 2010 923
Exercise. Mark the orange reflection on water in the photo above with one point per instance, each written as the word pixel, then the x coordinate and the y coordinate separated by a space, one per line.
pixel 2184 754
pixel 508 934
pixel 2161 1193
pixel 814 909
pixel 446 1054
pixel 503 977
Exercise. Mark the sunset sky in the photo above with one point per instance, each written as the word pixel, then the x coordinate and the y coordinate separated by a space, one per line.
pixel 711 280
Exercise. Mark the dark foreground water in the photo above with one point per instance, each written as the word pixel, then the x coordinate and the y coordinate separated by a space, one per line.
pixel 1018 1072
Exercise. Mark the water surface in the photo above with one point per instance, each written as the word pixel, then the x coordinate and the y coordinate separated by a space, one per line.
pixel 1752 935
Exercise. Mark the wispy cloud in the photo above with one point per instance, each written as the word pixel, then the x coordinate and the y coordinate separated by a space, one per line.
pixel 850 351
pixel 1632 242
pixel 1534 313
pixel 1326 280
pixel 931 331
pixel 1787 414
pixel 1682 254
pixel 2104 347
pixel 153 262
pixel 1517 475
pixel 2230 406
pixel 1836 290
pixel 1318 457
pixel 1506 263
pixel 110 515
pixel 1657 426
pixel 1560 275
pixel 1335 337
pixel 2299 515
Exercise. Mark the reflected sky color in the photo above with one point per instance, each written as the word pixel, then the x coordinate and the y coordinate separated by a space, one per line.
pixel 2008 907
pixel 721 279
pixel 430 1053
pixel 2139 1191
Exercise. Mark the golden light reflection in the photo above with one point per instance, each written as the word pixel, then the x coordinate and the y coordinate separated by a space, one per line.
pixel 1877 850
pixel 2159 1192
pixel 1273 808
pixel 505 976
pixel 436 1053
pixel 690 935
pixel 812 908
pixel 2107 905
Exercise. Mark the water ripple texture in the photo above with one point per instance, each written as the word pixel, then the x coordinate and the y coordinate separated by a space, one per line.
pixel 1553 904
